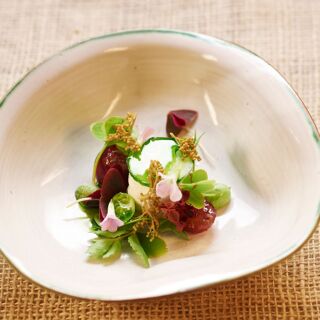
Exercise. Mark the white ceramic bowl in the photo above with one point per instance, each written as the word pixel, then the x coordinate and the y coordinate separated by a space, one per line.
pixel 261 136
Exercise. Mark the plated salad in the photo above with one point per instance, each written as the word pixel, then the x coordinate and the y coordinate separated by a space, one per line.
pixel 144 186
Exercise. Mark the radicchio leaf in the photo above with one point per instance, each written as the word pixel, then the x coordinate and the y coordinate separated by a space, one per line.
pixel 177 120
pixel 112 184
pixel 94 202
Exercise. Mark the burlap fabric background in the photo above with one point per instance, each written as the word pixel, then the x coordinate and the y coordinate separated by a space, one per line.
pixel 284 32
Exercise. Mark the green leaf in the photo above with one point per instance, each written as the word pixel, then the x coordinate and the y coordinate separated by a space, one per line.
pixel 200 188
pixel 111 235
pixel 197 180
pixel 138 250
pixel 114 251
pixel 101 129
pixel 199 175
pixel 84 191
pixel 95 225
pixel 168 226
pixel 104 249
pixel 99 247
pixel 154 248
pixel 97 130
pixel 109 124
pixel 204 186
pixel 196 199
pixel 195 176
pixel 219 196
pixel 91 213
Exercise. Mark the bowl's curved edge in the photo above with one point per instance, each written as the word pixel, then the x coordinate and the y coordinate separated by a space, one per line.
pixel 315 136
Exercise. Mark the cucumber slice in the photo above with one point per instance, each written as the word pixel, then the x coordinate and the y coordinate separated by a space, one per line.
pixel 179 167
pixel 166 151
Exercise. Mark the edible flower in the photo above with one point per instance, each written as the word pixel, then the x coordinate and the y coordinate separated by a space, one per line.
pixel 111 222
pixel 168 188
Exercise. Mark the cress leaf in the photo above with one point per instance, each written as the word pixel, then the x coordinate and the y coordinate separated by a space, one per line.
pixel 109 125
pixel 101 129
pixel 95 225
pixel 199 175
pixel 114 251
pixel 219 196
pixel 138 250
pixel 154 248
pixel 111 235
pixel 84 191
pixel 201 186
pixel 168 226
pixel 195 176
pixel 196 199
pixel 204 186
pixel 99 247
pixel 91 213
pixel 98 130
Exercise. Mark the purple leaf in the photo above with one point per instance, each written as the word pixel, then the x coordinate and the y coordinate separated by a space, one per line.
pixel 94 202
pixel 177 120
pixel 112 184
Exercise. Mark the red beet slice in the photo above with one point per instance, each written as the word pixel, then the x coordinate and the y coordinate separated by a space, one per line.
pixel 112 184
pixel 177 120
pixel 111 157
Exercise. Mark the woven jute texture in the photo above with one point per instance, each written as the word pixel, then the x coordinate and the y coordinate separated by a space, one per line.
pixel 286 33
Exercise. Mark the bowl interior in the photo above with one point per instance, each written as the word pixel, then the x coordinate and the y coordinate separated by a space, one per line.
pixel 255 130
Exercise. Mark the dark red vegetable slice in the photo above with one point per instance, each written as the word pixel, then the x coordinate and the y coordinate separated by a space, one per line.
pixel 112 184
pixel 94 203
pixel 112 157
pixel 177 120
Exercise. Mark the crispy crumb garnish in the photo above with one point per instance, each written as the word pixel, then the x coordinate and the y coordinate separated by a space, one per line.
pixel 188 147
pixel 150 202
pixel 123 133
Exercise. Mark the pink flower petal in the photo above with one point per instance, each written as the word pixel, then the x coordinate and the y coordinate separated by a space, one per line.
pixel 110 225
pixel 168 188
pixel 111 222
pixel 163 189
pixel 175 192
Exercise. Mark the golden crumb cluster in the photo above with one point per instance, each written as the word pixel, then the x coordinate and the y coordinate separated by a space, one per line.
pixel 150 202
pixel 153 173
pixel 123 133
pixel 188 147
